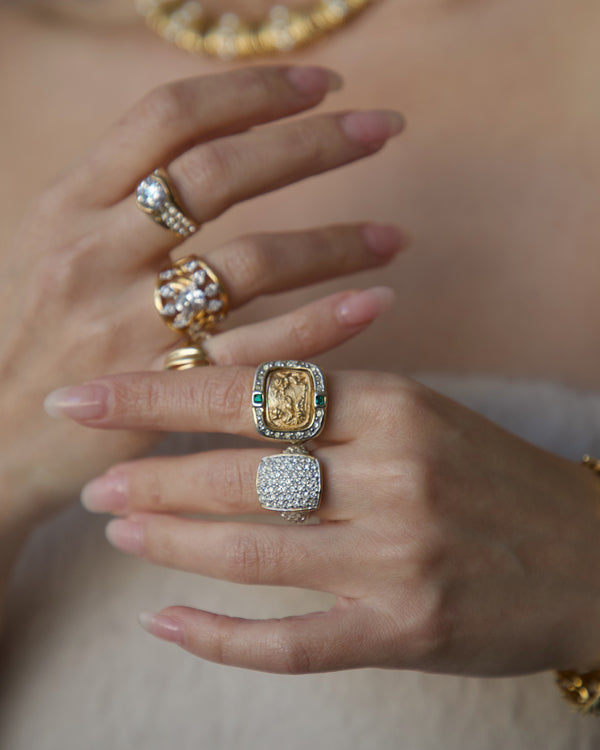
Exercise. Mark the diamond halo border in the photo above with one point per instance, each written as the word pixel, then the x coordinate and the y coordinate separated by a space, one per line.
pixel 320 406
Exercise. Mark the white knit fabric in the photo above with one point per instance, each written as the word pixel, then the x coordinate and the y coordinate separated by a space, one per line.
pixel 77 672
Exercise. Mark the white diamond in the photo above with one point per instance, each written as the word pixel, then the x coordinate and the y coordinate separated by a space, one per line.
pixel 183 318
pixel 214 305
pixel 199 277
pixel 289 482
pixel 192 299
pixel 168 290
pixel 151 193
pixel 212 290
pixel 338 7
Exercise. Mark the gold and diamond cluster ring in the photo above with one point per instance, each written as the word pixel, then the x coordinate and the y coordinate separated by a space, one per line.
pixel 289 402
pixel 188 295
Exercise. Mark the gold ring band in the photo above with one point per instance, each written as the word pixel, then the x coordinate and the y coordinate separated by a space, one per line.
pixel 186 357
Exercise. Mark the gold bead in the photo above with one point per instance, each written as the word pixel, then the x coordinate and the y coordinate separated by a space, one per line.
pixel 227 37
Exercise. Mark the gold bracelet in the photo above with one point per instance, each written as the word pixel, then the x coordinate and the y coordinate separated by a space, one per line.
pixel 582 690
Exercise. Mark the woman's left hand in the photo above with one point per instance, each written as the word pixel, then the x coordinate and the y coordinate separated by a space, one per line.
pixel 451 545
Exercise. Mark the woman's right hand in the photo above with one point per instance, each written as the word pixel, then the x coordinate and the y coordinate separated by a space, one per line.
pixel 77 284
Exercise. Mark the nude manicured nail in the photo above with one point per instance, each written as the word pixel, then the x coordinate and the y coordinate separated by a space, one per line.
pixel 372 128
pixel 107 494
pixel 383 239
pixel 78 402
pixel 361 308
pixel 312 80
pixel 163 627
pixel 128 536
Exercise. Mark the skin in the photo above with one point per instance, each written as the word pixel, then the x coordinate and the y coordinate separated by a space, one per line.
pixel 489 156
pixel 457 523
pixel 74 243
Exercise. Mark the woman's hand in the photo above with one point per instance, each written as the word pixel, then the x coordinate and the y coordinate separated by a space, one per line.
pixel 78 282
pixel 451 545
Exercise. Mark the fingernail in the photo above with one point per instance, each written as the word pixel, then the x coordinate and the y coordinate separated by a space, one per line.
pixel 128 536
pixel 372 128
pixel 163 627
pixel 311 80
pixel 384 239
pixel 361 308
pixel 107 494
pixel 78 402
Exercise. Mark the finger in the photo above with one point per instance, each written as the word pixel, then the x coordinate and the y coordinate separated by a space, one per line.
pixel 207 399
pixel 173 117
pixel 214 176
pixel 251 553
pixel 272 263
pixel 316 642
pixel 216 482
pixel 303 333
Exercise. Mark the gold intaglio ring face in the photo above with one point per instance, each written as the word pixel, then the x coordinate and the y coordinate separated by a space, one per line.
pixel 289 400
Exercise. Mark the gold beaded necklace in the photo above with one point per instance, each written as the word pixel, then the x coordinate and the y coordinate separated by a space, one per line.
pixel 184 23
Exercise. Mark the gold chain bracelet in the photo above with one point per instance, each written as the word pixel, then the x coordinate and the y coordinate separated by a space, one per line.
pixel 582 689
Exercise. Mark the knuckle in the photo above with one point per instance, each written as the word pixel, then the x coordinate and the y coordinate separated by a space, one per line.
pixel 408 397
pixel 147 490
pixel 165 105
pixel 134 400
pixel 434 634
pixel 207 170
pixel 416 479
pixel 306 141
pixel 420 629
pixel 429 627
pixel 219 644
pixel 293 656
pixel 255 83
pixel 64 271
pixel 333 243
pixel 224 398
pixel 242 559
pixel 396 479
pixel 49 204
pixel 245 264
pixel 252 560
pixel 301 332
pixel 401 402
pixel 229 483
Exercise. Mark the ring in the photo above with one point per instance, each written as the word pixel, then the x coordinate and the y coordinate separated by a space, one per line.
pixel 186 357
pixel 155 196
pixel 289 402
pixel 190 298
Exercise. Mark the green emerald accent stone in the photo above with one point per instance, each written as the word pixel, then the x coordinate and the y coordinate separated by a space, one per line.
pixel 319 400
pixel 257 398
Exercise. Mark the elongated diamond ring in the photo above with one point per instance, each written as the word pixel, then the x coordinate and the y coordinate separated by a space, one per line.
pixel 155 196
